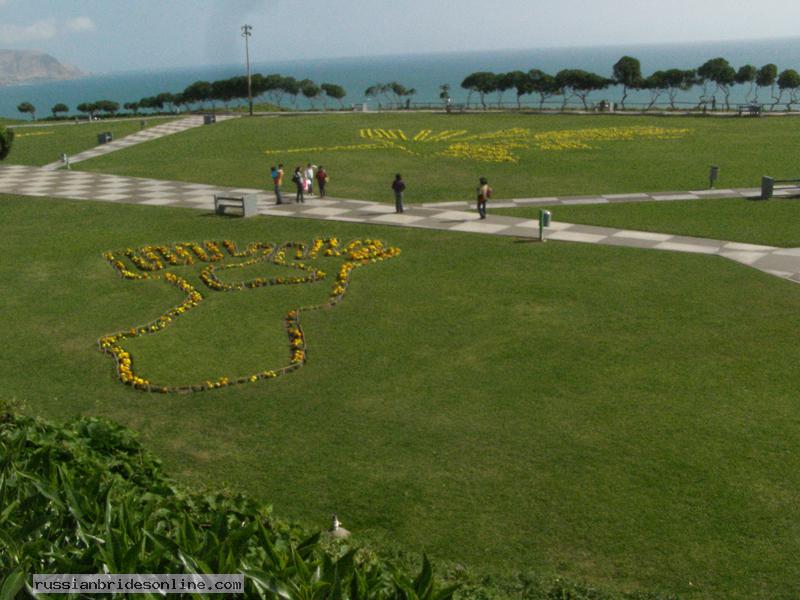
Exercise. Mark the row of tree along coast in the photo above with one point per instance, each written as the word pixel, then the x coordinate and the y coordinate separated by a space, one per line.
pixel 714 79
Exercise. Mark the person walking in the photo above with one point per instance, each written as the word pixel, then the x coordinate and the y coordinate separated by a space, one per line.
pixel 277 180
pixel 310 178
pixel 299 181
pixel 322 179
pixel 399 186
pixel 484 193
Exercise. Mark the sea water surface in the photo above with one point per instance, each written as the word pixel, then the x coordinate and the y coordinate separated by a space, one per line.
pixel 424 72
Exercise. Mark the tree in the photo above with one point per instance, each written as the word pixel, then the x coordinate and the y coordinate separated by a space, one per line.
pixel 334 91
pixel 178 100
pixel 576 82
pixel 223 91
pixel 656 84
pixel 676 80
pixel 134 106
pixel 88 107
pixel 502 83
pixel 747 74
pixel 482 82
pixel 721 73
pixel 628 74
pixel 767 76
pixel 273 88
pixel 586 83
pixel 151 102
pixel 444 92
pixel 310 90
pixel 564 80
pixel 27 107
pixel 398 92
pixel 523 84
pixel 168 99
pixel 199 92
pixel 6 140
pixel 107 106
pixel 542 84
pixel 292 87
pixel 789 81
pixel 59 108
pixel 376 91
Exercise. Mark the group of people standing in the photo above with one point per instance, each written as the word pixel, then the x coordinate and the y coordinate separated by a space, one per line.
pixel 303 180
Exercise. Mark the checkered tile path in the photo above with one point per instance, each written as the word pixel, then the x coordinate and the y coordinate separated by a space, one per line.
pixel 84 185
pixel 33 181
pixel 615 198
pixel 145 135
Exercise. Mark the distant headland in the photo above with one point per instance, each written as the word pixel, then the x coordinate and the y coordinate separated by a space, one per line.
pixel 32 66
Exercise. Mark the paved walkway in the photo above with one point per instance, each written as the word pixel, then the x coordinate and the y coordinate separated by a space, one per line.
pixel 34 181
pixel 151 133
pixel 617 198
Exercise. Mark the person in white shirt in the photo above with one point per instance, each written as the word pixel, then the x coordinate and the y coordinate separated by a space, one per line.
pixel 309 174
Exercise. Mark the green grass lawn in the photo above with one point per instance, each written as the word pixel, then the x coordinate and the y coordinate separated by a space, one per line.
pixel 622 417
pixel 44 143
pixel 233 153
pixel 775 222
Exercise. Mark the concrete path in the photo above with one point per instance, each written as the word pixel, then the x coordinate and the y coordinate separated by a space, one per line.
pixel 79 185
pixel 145 135
pixel 617 198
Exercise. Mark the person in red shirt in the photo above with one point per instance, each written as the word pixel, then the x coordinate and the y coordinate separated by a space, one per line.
pixel 322 179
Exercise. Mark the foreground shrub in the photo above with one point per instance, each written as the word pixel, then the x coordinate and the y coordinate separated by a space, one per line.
pixel 86 497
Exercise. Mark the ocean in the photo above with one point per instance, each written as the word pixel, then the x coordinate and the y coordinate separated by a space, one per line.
pixel 424 72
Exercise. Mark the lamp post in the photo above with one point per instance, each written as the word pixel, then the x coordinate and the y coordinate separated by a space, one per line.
pixel 246 33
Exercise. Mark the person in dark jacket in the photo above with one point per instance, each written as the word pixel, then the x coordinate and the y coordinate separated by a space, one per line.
pixel 398 186
pixel 298 179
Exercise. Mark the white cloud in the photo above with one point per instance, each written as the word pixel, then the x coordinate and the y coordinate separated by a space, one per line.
pixel 78 24
pixel 40 30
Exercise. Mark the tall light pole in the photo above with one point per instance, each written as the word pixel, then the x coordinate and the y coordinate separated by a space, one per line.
pixel 246 33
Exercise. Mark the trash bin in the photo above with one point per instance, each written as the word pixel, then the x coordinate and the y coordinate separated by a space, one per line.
pixel 104 138
pixel 767 187
pixel 209 119
pixel 544 221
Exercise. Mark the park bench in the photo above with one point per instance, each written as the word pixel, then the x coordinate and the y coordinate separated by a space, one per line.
pixel 450 108
pixel 247 203
pixel 749 110
pixel 768 186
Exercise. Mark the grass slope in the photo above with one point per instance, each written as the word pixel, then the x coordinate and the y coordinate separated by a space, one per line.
pixel 627 418
pixel 774 223
pixel 233 153
pixel 42 144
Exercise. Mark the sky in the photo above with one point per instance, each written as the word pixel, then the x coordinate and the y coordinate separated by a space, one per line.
pixel 102 36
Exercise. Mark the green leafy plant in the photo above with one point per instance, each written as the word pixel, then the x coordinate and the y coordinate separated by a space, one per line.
pixel 6 139
pixel 87 498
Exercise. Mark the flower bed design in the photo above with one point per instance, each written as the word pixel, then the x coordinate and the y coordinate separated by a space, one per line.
pixel 152 261
pixel 496 146
pixel 35 133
